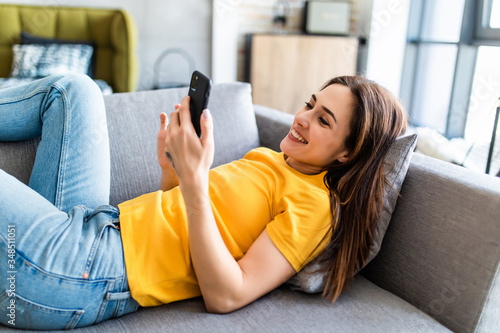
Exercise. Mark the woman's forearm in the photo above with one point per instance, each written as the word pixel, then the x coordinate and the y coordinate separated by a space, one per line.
pixel 218 273
pixel 219 276
pixel 226 284
pixel 169 179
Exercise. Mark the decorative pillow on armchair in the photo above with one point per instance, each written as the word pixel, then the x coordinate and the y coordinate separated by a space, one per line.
pixel 32 60
pixel 396 165
pixel 27 38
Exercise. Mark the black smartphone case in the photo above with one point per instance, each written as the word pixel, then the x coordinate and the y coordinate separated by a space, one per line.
pixel 199 98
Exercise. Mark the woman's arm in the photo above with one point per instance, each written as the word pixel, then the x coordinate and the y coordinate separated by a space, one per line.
pixel 169 178
pixel 226 284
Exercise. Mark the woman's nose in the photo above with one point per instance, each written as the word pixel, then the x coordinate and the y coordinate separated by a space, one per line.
pixel 303 119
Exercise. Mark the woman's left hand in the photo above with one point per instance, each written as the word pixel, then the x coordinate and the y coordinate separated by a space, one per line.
pixel 191 156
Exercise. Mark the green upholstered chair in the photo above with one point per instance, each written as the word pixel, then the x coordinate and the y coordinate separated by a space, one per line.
pixel 113 33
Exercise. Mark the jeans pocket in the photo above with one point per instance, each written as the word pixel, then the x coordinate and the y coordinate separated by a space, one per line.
pixel 18 312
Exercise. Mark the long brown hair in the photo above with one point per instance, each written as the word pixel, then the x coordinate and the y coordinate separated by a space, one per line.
pixel 357 185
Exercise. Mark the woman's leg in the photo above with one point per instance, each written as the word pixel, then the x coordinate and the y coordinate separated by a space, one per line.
pixel 58 270
pixel 63 266
pixel 72 160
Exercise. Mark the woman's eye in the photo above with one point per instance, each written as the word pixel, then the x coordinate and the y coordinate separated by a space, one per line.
pixel 308 105
pixel 323 121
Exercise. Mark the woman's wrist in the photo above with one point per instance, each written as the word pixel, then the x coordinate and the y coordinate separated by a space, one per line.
pixel 197 201
pixel 194 184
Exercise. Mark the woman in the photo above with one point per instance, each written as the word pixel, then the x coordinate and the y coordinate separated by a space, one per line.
pixel 230 234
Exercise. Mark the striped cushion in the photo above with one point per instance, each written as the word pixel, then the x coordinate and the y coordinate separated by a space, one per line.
pixel 33 60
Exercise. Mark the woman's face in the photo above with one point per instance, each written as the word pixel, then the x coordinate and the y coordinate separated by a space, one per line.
pixel 319 130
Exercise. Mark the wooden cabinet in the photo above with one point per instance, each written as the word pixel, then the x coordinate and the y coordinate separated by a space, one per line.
pixel 286 69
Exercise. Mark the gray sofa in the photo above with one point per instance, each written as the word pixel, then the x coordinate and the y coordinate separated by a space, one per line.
pixel 437 270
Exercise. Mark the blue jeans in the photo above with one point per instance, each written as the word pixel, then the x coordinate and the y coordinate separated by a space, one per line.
pixel 61 255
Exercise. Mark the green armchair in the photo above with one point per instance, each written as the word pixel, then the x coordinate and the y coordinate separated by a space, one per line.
pixel 112 32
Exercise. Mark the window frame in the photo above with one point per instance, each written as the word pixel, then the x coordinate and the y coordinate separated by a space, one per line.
pixel 472 35
pixel 464 66
pixel 484 34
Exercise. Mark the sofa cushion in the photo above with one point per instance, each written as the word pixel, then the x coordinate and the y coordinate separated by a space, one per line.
pixel 133 120
pixel 396 164
pixel 17 158
pixel 363 308
pixel 134 166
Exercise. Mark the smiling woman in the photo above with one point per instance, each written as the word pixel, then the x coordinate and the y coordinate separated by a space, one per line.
pixel 200 234
pixel 369 119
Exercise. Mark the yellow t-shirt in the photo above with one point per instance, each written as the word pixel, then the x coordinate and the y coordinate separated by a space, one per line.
pixel 260 191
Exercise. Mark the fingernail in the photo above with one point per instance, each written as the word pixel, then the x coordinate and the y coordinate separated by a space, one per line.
pixel 206 113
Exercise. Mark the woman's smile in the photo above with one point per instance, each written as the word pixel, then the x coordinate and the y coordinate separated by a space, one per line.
pixel 295 136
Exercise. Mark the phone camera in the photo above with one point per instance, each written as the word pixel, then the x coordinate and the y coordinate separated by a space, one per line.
pixel 193 82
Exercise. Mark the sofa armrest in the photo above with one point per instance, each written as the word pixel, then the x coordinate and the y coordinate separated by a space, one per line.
pixel 441 251
pixel 273 126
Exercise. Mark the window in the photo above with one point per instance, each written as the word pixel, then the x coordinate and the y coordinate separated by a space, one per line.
pixel 488 20
pixel 434 83
pixel 495 15
pixel 451 79
pixel 434 51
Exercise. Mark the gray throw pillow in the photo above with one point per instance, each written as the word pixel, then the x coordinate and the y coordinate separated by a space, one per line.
pixel 396 165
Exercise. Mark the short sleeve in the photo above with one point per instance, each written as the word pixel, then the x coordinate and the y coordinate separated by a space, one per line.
pixel 302 228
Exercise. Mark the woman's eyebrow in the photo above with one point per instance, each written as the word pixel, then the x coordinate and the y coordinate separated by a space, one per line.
pixel 325 108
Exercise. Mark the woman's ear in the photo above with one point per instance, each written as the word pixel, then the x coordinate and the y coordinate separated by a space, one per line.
pixel 344 156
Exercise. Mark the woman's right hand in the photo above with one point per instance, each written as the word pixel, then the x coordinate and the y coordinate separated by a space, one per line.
pixel 190 155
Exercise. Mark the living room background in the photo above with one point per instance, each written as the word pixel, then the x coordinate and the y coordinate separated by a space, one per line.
pixel 212 31
pixel 188 24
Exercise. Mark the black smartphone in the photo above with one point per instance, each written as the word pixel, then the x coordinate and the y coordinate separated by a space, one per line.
pixel 199 91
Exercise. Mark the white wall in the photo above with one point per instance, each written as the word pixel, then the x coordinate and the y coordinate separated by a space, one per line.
pixel 387 43
pixel 225 41
pixel 234 18
pixel 161 24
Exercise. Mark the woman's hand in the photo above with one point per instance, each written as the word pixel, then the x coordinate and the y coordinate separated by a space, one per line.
pixel 163 161
pixel 169 178
pixel 191 156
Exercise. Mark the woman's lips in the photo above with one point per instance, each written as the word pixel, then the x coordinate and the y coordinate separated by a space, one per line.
pixel 290 136
pixel 296 136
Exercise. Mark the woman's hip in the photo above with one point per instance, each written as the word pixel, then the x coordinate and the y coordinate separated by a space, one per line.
pixel 73 278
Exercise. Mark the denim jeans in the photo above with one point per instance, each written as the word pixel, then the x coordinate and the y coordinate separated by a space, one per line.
pixel 61 255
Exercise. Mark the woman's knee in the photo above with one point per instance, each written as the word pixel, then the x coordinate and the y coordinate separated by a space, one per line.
pixel 79 85
pixel 80 94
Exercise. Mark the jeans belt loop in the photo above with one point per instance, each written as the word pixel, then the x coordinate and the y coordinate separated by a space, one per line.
pixel 118 296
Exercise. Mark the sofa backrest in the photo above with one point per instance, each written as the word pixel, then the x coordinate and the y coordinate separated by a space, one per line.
pixel 134 120
pixel 112 31
pixel 441 251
